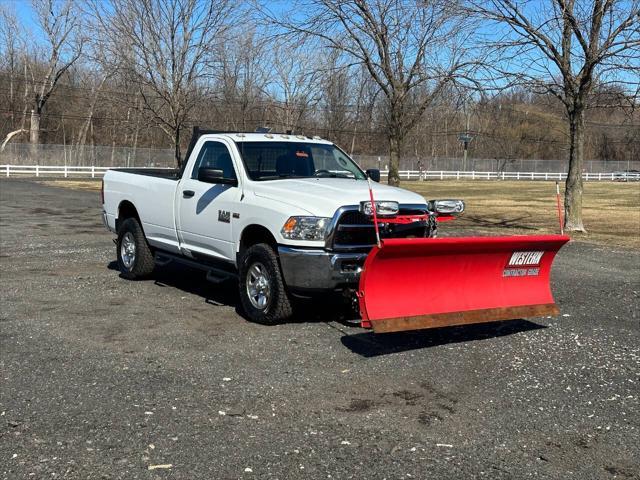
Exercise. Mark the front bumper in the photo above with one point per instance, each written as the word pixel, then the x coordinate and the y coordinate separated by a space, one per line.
pixel 317 270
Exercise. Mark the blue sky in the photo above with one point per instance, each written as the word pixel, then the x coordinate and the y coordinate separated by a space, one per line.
pixel 23 10
pixel 26 16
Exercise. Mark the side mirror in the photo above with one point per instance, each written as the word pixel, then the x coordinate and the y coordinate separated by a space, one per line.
pixel 213 175
pixel 446 207
pixel 373 174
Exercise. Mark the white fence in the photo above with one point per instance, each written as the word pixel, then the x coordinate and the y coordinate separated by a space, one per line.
pixel 473 164
pixel 120 156
pixel 462 175
pixel 86 156
pixel 96 172
pixel 65 171
pixel 52 171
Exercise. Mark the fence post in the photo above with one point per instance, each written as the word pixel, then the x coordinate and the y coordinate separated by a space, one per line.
pixel 458 175
pixel 546 176
pixel 503 175
pixel 441 175
pixel 37 170
pixel 66 174
pixel 600 176
pixel 93 171
pixel 7 170
pixel 473 175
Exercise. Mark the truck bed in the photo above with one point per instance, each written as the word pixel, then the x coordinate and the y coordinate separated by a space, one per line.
pixel 168 173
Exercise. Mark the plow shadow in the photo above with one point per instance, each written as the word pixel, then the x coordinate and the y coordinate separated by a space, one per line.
pixel 368 344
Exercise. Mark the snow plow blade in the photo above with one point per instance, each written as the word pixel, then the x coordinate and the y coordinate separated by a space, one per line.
pixel 417 283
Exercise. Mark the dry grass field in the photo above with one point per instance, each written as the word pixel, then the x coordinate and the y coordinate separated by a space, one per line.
pixel 611 209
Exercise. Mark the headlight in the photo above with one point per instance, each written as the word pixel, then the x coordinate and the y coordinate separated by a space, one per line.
pixel 446 207
pixel 382 208
pixel 305 228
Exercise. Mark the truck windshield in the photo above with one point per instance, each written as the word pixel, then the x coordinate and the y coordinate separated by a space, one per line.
pixel 276 160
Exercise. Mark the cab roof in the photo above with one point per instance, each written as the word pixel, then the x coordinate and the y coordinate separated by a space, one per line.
pixel 268 137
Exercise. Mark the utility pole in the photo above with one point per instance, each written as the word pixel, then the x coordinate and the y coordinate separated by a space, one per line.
pixel 466 144
pixel 446 137
pixel 465 138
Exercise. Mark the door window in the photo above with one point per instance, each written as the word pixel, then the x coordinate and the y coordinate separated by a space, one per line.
pixel 214 155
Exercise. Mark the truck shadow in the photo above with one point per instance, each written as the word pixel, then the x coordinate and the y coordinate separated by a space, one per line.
pixel 331 311
pixel 194 282
pixel 369 344
pixel 191 281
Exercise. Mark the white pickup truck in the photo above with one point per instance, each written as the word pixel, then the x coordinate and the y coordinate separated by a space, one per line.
pixel 288 215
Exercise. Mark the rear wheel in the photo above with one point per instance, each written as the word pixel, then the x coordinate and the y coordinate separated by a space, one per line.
pixel 263 294
pixel 135 258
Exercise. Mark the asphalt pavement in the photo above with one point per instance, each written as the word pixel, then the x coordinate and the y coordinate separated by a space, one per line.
pixel 107 378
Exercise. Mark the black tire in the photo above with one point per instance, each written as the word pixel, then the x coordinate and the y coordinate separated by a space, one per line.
pixel 432 227
pixel 278 307
pixel 142 262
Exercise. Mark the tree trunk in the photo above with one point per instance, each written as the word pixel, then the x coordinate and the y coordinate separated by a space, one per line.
pixel 395 149
pixel 34 129
pixel 135 136
pixel 573 185
pixel 178 154
pixel 34 135
pixel 395 145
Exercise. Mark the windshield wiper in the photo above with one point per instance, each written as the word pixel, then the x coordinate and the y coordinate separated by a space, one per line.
pixel 332 175
pixel 281 176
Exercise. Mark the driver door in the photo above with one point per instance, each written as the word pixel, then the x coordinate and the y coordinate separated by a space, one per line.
pixel 205 218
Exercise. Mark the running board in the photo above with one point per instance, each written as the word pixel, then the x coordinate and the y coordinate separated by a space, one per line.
pixel 214 274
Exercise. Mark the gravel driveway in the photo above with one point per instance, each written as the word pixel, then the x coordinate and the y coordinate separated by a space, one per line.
pixel 107 378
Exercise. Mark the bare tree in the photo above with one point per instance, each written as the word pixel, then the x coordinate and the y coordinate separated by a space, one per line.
pixel 243 76
pixel 167 46
pixel 294 83
pixel 10 61
pixel 566 48
pixel 61 47
pixel 60 22
pixel 12 64
pixel 96 85
pixel 337 94
pixel 403 45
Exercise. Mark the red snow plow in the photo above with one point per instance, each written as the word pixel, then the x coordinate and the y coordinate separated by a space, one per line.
pixel 417 283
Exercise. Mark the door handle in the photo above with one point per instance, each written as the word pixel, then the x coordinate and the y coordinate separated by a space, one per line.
pixel 188 193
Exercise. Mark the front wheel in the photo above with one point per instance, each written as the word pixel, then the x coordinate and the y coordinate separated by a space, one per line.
pixel 135 258
pixel 263 294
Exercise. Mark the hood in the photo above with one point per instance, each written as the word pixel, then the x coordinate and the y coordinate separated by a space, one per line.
pixel 323 196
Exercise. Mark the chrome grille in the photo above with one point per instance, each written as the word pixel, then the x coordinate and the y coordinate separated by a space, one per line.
pixel 354 230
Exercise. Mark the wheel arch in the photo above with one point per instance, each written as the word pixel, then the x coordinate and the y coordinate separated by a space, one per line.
pixel 253 234
pixel 127 209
